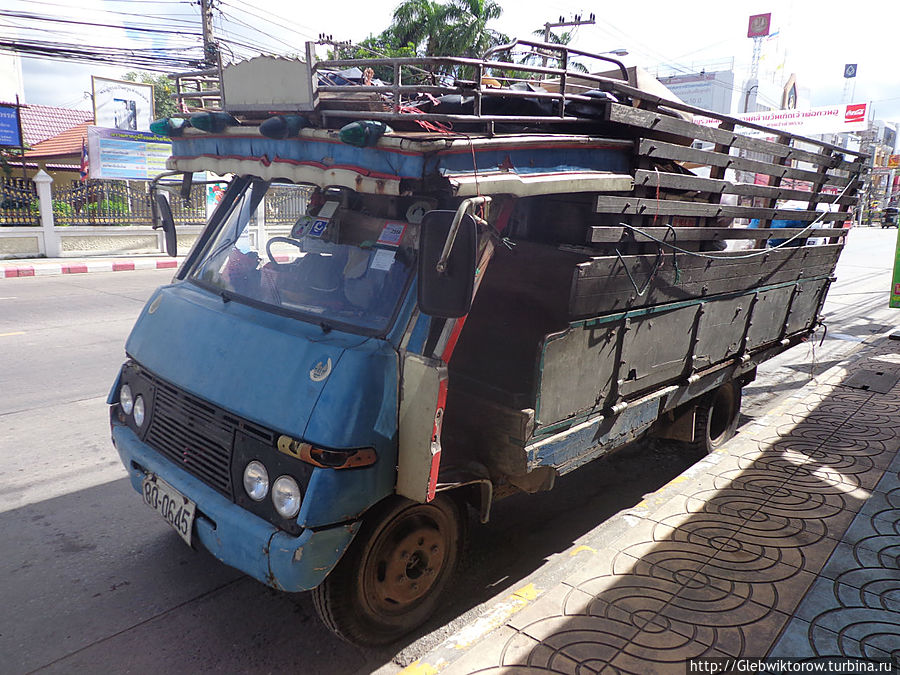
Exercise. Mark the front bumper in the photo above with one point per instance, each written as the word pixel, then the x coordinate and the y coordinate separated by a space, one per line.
pixel 235 536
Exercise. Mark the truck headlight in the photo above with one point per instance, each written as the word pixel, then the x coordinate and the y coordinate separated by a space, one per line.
pixel 256 480
pixel 139 410
pixel 126 399
pixel 286 496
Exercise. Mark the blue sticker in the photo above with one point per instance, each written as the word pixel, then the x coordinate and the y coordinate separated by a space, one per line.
pixel 318 228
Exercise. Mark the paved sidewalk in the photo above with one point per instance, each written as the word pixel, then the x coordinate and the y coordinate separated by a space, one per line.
pixel 784 544
pixel 33 267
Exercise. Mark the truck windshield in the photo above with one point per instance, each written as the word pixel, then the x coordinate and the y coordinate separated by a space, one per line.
pixel 315 259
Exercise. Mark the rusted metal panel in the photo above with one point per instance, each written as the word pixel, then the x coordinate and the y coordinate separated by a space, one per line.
pixel 721 330
pixel 769 316
pixel 578 371
pixel 656 349
pixel 807 301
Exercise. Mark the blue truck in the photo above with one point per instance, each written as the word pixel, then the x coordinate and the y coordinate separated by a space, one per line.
pixel 482 287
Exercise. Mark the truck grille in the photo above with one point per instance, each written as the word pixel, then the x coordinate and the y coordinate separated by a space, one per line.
pixel 197 435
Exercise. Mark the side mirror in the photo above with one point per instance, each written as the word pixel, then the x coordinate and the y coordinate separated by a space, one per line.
pixel 446 293
pixel 162 217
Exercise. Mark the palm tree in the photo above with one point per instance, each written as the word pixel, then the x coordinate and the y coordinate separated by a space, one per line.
pixel 468 32
pixel 421 23
pixel 457 28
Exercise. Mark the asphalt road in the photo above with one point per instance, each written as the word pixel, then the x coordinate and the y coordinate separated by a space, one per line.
pixel 92 580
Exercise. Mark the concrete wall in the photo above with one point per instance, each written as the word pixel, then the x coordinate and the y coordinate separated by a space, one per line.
pixel 29 242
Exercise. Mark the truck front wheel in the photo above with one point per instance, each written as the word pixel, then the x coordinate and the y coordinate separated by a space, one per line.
pixel 392 576
pixel 717 418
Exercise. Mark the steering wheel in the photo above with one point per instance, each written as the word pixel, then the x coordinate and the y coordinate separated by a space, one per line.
pixel 282 240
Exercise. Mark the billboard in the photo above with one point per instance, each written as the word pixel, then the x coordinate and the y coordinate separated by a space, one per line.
pixel 833 119
pixel 712 91
pixel 127 155
pixel 9 126
pixel 122 105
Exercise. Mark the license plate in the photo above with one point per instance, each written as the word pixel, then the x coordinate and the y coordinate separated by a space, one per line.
pixel 174 507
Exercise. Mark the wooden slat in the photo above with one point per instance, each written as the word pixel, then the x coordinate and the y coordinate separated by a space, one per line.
pixel 610 235
pixel 646 119
pixel 631 206
pixel 603 285
pixel 659 149
pixel 679 181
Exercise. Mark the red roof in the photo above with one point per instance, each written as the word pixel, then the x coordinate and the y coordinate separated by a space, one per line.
pixel 67 143
pixel 40 122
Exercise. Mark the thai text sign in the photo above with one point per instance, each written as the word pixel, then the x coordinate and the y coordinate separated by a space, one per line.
pixel 122 105
pixel 809 122
pixel 127 155
pixel 9 126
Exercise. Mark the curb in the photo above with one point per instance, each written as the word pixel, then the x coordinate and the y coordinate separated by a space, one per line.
pixel 84 267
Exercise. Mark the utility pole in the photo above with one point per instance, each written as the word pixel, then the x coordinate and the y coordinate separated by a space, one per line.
pixel 210 47
pixel 338 45
pixel 577 21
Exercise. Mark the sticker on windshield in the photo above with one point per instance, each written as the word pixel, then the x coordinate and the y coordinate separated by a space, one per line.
pixel 382 260
pixel 392 234
pixel 318 228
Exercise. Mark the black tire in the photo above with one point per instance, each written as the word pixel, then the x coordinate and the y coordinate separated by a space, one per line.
pixel 717 418
pixel 392 577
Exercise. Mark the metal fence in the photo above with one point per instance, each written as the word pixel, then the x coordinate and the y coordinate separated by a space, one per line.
pixel 18 203
pixel 106 202
pixel 286 203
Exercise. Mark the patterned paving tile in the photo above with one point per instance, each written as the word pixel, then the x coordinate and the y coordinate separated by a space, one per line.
pixel 791 535
pixel 801 640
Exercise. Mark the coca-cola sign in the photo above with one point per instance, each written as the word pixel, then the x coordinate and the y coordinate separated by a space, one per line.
pixel 855 113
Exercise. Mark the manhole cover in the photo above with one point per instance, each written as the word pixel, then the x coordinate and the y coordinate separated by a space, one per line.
pixel 872 380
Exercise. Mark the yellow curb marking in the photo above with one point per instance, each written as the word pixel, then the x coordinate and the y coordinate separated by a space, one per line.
pixel 417 668
pixel 19 332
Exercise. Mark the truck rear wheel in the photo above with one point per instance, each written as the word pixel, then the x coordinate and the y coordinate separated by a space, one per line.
pixel 392 577
pixel 717 418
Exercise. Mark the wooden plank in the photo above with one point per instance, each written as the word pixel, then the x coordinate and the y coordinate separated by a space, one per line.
pixel 660 150
pixel 610 234
pixel 679 181
pixel 646 119
pixel 716 277
pixel 673 207
pixel 613 291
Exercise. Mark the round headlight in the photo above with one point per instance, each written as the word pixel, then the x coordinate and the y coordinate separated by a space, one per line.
pixel 256 481
pixel 286 496
pixel 139 410
pixel 126 399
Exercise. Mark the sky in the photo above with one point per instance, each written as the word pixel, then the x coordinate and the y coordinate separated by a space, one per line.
pixel 815 38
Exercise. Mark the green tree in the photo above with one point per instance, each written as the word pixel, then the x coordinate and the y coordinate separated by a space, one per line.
pixel 468 33
pixel 453 28
pixel 163 89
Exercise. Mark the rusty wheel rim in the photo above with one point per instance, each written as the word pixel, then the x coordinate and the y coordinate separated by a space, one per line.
pixel 407 561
